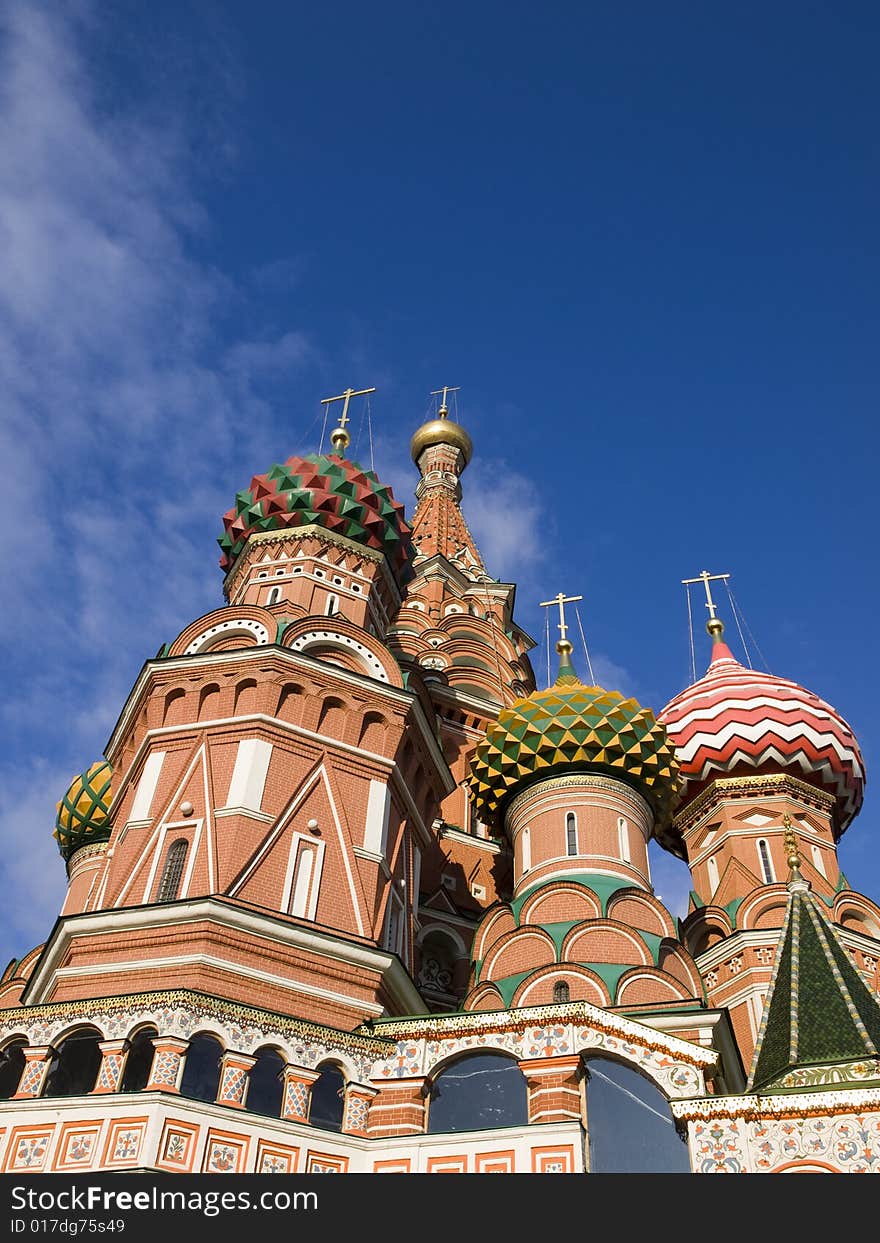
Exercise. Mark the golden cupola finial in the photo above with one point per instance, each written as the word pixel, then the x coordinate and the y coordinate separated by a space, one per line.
pixel 442 431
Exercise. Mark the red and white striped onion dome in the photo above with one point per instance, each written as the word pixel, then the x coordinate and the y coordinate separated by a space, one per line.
pixel 735 721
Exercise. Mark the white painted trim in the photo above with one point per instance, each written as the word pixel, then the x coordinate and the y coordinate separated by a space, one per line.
pixel 165 830
pixel 248 781
pixel 244 811
pixel 146 789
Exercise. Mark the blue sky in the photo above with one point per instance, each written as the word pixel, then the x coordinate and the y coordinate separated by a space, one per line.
pixel 642 238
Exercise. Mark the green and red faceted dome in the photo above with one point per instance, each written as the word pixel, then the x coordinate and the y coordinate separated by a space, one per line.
pixel 325 491
pixel 735 721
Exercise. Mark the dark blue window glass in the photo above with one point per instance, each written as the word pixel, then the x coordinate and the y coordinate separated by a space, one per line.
pixel 477 1092
pixel 139 1062
pixel 201 1072
pixel 75 1067
pixel 328 1099
pixel 266 1085
pixel 629 1124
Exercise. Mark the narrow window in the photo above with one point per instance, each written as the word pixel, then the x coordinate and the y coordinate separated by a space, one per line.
pixel 713 875
pixel 571 834
pixel 766 865
pixel 173 871
pixel 817 860
pixel 526 850
pixel 561 992
pixel 305 866
pixel 274 595
pixel 393 927
pixel 332 605
pixel 623 838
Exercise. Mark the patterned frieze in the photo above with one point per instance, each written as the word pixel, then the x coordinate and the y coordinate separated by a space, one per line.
pixel 180 1014
pixel 846 1143
pixel 676 1066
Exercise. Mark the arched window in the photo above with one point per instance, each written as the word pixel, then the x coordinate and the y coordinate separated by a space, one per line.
pixel 201 1073
pixel 274 595
pixel 266 1084
pixel 630 1124
pixel 818 862
pixel 571 834
pixel 332 605
pixel 623 838
pixel 561 992
pixel 766 862
pixel 75 1066
pixel 328 1099
pixel 172 873
pixel 526 850
pixel 478 1092
pixel 139 1062
pixel 11 1067
pixel 712 867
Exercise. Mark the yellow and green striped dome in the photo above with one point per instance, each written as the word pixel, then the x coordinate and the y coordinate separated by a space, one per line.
pixel 572 726
pixel 83 813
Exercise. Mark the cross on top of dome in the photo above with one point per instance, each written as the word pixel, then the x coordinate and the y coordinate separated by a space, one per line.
pixel 339 437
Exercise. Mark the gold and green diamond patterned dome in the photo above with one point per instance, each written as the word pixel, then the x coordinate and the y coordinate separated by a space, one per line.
pixel 83 813
pixel 571 726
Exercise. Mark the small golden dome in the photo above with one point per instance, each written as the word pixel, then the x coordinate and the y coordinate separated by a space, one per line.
pixel 441 432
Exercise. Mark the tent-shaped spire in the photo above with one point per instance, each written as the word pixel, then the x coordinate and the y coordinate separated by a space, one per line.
pixel 821 1022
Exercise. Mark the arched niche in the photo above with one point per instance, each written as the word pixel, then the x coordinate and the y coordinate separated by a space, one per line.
pixel 75 1066
pixel 630 1127
pixel 201 1071
pixel 328 1098
pixel 480 1091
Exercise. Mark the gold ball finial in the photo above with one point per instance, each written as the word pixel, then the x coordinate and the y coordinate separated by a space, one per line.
pixel 715 627
pixel 340 440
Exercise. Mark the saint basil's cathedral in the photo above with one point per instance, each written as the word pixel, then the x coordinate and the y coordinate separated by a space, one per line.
pixel 348 893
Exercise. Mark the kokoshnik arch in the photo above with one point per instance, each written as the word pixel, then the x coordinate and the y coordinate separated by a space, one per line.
pixel 347 892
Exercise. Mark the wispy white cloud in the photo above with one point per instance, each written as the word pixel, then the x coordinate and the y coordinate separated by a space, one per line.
pixel 126 402
pixel 504 511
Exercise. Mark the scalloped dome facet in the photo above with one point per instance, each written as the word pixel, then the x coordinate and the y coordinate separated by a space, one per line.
pixel 83 814
pixel 326 491
pixel 736 720
pixel 567 727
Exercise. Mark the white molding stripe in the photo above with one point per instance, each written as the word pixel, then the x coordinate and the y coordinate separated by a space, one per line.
pixel 222 964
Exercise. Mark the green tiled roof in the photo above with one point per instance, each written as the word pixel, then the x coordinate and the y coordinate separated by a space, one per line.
pixel 819 1010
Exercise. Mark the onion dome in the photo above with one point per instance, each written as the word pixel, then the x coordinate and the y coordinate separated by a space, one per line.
pixel 330 492
pixel 568 727
pixel 736 721
pixel 83 814
pixel 441 431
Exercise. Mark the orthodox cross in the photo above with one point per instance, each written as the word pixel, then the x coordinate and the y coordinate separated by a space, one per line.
pixel 561 600
pixel 706 578
pixel 339 437
pixel 441 393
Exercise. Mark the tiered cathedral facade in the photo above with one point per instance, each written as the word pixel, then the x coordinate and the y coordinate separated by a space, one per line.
pixel 348 893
